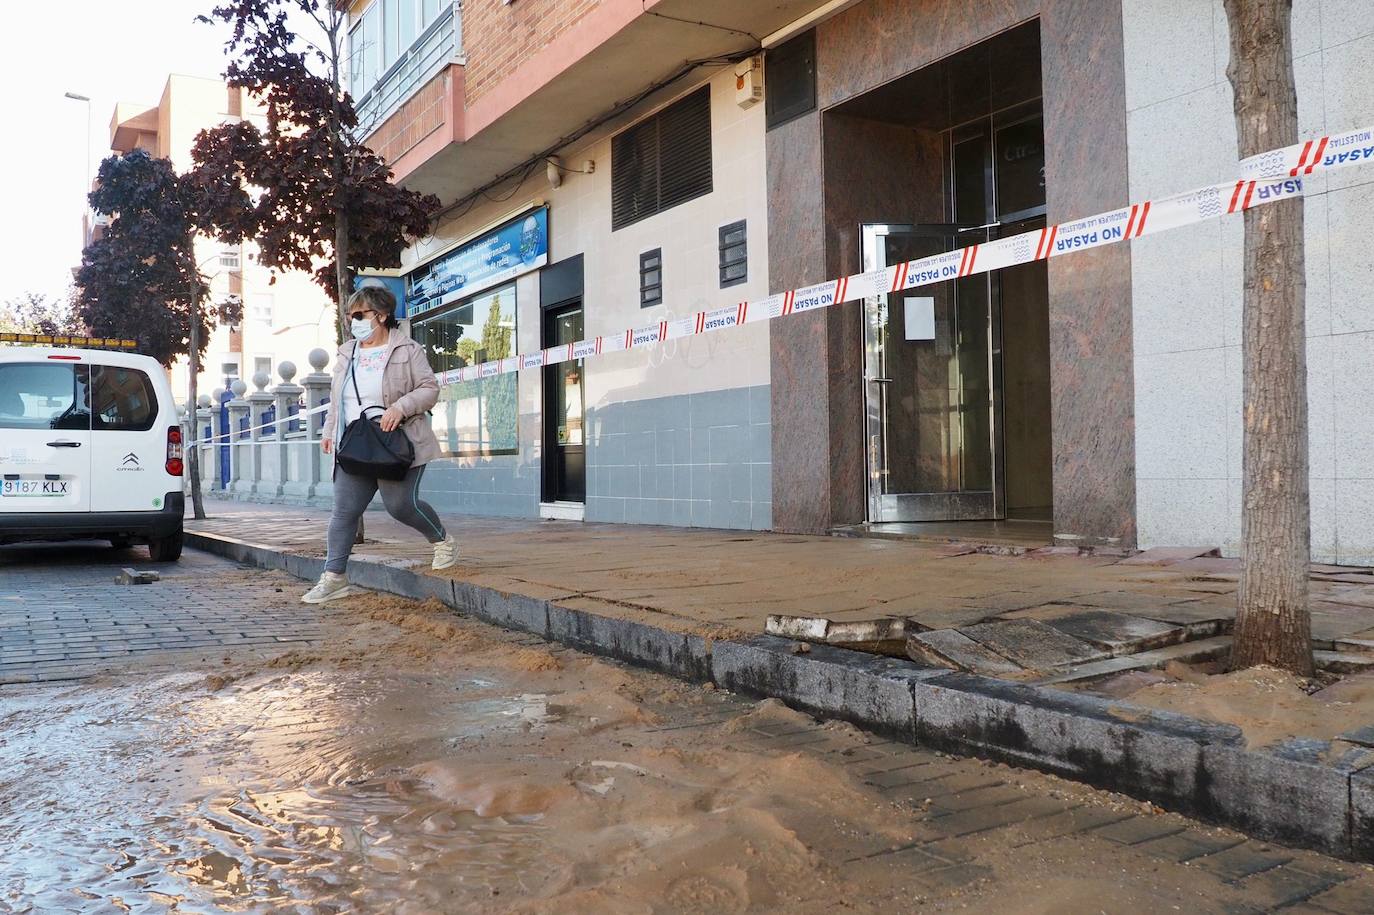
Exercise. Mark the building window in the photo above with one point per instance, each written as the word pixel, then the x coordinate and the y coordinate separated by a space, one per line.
pixel 734 254
pixel 790 69
pixel 473 418
pixel 260 307
pixel 230 259
pixel 262 364
pixel 662 161
pixel 383 36
pixel 651 278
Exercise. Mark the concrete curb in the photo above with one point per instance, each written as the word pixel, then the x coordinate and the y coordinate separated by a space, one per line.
pixel 1296 793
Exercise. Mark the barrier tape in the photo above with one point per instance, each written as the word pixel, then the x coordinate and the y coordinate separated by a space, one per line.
pixel 1265 178
pixel 230 436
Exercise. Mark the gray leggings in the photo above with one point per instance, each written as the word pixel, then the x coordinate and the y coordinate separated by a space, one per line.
pixel 352 495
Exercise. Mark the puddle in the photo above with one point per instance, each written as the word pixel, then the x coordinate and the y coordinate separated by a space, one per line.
pixel 83 770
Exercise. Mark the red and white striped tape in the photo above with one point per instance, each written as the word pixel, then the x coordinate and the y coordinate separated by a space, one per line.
pixel 1266 178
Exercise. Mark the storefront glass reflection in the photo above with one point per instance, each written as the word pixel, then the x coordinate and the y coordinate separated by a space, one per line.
pixel 478 417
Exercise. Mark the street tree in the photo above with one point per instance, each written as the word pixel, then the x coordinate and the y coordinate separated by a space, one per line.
pixel 140 280
pixel 1273 620
pixel 304 186
pixel 36 313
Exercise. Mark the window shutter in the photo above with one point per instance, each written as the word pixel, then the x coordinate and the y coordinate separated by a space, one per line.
pixel 662 161
pixel 685 149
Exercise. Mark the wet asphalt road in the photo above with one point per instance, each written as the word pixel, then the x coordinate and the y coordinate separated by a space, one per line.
pixel 207 743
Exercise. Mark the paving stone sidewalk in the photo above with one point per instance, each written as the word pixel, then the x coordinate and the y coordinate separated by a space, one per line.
pixel 63 617
pixel 737 579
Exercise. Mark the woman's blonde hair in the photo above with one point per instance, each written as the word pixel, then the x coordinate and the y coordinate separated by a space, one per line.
pixel 378 299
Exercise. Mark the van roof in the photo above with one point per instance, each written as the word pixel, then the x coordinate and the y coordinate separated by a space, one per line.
pixel 71 354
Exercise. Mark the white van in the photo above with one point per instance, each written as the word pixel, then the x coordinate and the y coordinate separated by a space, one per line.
pixel 90 449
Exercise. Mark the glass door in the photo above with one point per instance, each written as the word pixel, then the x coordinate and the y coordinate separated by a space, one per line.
pixel 932 384
pixel 565 465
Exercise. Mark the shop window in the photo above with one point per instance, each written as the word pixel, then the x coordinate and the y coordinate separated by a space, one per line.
pixel 651 278
pixel 790 71
pixel 662 161
pixel 734 254
pixel 473 418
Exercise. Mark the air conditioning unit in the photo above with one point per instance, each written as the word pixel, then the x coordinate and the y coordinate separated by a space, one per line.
pixel 749 81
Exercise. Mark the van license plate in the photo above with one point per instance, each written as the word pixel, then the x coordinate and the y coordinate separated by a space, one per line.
pixel 34 488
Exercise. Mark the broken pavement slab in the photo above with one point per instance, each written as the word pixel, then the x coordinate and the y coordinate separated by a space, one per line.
pixel 135 577
pixel 951 648
pixel 1184 653
pixel 1168 555
pixel 1344 662
pixel 1118 633
pixel 1032 644
pixel 886 635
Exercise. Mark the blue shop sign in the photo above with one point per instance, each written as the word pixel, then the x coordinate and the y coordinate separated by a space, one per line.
pixel 518 247
pixel 393 283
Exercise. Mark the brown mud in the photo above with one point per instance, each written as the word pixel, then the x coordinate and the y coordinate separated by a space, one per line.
pixel 417 762
pixel 1268 705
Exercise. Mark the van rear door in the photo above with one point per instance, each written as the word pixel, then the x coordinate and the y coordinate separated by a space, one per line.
pixel 129 426
pixel 45 435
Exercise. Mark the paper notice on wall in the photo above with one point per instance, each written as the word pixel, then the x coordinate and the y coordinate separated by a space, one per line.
pixel 920 317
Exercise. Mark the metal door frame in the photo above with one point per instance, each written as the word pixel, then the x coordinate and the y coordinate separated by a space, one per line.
pixel 949 506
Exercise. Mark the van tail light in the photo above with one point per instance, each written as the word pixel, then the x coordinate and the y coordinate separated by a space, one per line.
pixel 174 465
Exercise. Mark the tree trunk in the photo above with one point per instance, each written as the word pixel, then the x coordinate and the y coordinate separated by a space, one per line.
pixel 193 450
pixel 1273 623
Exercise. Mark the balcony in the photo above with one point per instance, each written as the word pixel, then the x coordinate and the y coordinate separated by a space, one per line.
pixel 438 46
pixel 440 141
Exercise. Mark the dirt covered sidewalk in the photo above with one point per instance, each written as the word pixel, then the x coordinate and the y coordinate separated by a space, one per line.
pixel 415 761
pixel 685 578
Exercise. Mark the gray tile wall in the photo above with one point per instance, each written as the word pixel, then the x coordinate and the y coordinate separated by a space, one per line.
pixel 504 485
pixel 691 460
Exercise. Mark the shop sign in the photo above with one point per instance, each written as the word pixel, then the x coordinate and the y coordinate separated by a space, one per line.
pixel 518 247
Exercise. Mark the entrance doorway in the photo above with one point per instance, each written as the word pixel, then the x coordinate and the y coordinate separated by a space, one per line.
pixel 565 451
pixel 956 374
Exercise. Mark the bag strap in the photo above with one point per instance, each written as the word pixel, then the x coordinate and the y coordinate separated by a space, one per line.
pixel 353 374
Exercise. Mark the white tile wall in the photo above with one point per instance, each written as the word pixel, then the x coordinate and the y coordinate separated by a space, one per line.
pixel 1179 397
pixel 1182 512
pixel 1188 290
pixel 1350 221
pixel 1169 42
pixel 1182 311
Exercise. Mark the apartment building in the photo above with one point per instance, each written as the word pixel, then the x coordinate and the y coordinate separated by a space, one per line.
pixel 285 315
pixel 607 164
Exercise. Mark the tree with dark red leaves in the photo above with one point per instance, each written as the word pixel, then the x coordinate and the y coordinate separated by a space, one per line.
pixel 304 187
pixel 139 280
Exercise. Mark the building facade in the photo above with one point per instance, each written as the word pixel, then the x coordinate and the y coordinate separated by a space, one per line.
pixel 285 315
pixel 607 164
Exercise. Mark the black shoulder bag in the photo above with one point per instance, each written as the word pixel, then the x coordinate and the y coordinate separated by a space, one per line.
pixel 367 451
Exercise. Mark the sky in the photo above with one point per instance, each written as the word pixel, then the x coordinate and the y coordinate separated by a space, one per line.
pixel 109 51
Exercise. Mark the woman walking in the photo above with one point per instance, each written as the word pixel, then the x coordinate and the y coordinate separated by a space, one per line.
pixel 379 369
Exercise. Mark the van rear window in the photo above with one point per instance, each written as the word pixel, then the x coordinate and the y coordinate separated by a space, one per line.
pixel 43 395
pixel 122 399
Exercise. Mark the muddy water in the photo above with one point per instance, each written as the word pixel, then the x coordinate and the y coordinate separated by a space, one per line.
pixel 407 769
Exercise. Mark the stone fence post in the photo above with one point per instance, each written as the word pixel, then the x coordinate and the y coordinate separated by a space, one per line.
pixel 258 404
pixel 293 459
pixel 318 466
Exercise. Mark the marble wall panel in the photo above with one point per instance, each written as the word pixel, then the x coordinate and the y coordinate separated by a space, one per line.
pixel 1090 295
pixel 816 391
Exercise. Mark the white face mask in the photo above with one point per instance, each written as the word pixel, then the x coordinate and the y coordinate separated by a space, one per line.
pixel 362 328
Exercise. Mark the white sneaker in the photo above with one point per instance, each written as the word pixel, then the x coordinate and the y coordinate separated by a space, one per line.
pixel 445 553
pixel 331 586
